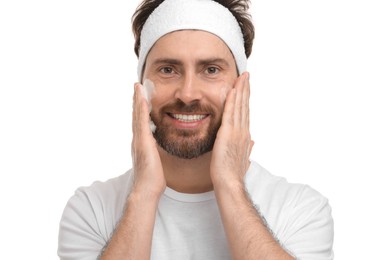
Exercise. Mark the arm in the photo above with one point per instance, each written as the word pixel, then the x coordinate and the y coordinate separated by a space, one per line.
pixel 248 236
pixel 133 236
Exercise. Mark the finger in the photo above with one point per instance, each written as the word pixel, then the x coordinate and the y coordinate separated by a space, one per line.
pixel 245 117
pixel 239 86
pixel 135 110
pixel 142 111
pixel 228 112
pixel 134 126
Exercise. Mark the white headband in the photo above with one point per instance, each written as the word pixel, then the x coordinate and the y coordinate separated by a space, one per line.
pixel 205 15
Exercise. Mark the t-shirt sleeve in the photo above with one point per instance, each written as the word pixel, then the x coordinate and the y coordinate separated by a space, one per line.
pixel 310 229
pixel 79 235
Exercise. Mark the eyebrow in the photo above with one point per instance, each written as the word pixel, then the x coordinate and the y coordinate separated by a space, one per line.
pixel 198 62
pixel 213 61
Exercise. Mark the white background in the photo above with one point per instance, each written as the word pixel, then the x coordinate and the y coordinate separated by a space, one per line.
pixel 320 110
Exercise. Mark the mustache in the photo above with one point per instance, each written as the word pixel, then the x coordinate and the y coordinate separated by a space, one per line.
pixel 193 107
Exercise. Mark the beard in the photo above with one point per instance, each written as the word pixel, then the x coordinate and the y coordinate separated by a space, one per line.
pixel 186 143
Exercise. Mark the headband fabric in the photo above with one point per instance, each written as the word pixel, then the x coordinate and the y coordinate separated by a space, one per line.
pixel 205 15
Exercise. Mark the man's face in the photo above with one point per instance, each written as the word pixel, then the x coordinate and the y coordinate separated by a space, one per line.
pixel 192 72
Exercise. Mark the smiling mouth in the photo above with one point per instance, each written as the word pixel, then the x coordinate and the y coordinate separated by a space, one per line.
pixel 187 118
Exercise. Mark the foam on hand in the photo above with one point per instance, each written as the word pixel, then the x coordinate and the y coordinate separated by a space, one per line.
pixel 148 90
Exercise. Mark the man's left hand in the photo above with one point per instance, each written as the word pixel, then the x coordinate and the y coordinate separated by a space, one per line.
pixel 233 145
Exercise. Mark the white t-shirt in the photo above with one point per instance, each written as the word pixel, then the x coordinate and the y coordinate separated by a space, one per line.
pixel 188 226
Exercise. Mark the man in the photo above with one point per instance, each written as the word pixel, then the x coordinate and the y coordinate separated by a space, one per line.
pixel 193 193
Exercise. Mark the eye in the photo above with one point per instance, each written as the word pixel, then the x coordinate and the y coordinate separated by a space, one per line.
pixel 166 70
pixel 212 70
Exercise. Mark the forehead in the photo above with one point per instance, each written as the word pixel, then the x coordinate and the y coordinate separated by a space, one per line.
pixel 190 44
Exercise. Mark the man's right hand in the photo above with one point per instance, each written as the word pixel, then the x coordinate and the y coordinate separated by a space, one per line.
pixel 133 236
pixel 149 177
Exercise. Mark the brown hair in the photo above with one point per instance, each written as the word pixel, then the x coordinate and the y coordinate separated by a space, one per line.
pixel 239 8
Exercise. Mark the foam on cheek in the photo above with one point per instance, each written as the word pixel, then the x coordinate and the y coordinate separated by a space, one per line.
pixel 148 91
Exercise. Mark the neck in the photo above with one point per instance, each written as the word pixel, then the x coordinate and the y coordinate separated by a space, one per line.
pixel 187 175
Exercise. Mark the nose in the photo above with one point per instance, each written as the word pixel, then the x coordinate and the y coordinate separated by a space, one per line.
pixel 189 89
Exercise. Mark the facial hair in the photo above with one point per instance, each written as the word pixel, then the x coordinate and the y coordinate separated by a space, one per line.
pixel 186 143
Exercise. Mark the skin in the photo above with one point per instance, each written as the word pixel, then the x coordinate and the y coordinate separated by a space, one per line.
pixel 181 70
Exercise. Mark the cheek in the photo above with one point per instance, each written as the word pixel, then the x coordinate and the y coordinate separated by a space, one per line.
pixel 223 93
pixel 218 93
pixel 156 93
pixel 149 92
pixel 160 96
pixel 149 89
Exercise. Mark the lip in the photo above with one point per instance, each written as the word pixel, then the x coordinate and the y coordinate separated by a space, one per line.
pixel 188 120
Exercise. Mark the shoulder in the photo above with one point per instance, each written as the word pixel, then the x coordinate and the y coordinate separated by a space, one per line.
pixel 105 198
pixel 268 188
pixel 112 189
pixel 92 213
pixel 90 217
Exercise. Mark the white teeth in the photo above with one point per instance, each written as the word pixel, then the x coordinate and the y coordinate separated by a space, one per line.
pixel 188 118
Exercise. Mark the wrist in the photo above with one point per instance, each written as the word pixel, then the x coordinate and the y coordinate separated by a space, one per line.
pixel 228 185
pixel 144 195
